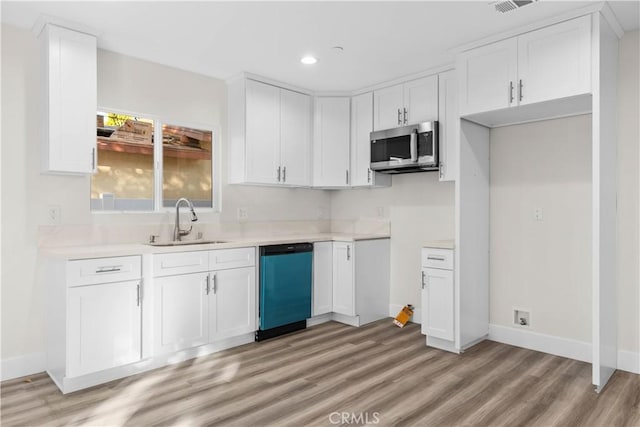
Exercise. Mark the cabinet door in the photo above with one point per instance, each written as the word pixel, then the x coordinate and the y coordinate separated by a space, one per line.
pixel 343 279
pixel 262 133
pixel 232 309
pixel 437 303
pixel 295 138
pixel 488 77
pixel 104 327
pixel 361 127
pixel 449 125
pixel 71 80
pixel 387 107
pixel 555 61
pixel 322 278
pixel 331 142
pixel 181 307
pixel 420 100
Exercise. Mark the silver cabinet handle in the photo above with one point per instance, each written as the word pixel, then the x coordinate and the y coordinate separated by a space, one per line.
pixel 347 176
pixel 278 173
pixel 369 175
pixel 520 85
pixel 93 159
pixel 284 174
pixel 215 283
pixel 399 117
pixel 348 252
pixel 510 92
pixel 207 287
pixel 405 116
pixel 423 280
pixel 110 269
pixel 435 258
pixel 138 297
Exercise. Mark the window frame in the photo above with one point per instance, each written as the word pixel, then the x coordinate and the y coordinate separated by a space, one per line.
pixel 158 121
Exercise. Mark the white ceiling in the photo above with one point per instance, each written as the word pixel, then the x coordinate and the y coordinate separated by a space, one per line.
pixel 381 40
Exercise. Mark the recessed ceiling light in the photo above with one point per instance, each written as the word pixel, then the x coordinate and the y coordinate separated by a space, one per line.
pixel 308 60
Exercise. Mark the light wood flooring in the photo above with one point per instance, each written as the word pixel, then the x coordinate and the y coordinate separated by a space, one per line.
pixel 374 373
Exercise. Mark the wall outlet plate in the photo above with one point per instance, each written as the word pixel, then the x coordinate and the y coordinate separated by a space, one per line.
pixel 53 215
pixel 243 214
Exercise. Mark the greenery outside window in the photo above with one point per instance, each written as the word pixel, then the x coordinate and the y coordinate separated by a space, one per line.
pixel 145 164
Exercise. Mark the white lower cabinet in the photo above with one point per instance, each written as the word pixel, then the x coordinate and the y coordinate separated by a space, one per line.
pixel 104 327
pixel 343 280
pixel 181 312
pixel 437 303
pixel 322 278
pixel 438 298
pixel 351 280
pixel 94 316
pixel 232 303
pixel 204 306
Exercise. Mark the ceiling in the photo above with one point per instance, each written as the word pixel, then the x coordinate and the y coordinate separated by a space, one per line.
pixel 381 40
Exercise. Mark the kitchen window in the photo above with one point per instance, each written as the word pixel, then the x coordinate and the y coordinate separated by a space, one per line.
pixel 147 164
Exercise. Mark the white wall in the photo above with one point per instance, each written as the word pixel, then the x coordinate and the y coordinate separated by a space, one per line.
pixel 543 266
pixel 128 84
pixel 419 208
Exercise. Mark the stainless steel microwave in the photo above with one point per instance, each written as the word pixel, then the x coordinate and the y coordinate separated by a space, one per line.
pixel 405 149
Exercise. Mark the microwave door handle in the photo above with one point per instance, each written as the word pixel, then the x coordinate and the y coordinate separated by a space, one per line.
pixel 414 145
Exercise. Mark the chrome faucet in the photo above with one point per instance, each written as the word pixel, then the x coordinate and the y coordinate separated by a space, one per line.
pixel 177 232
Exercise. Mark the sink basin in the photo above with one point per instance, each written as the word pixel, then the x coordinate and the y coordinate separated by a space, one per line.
pixel 185 242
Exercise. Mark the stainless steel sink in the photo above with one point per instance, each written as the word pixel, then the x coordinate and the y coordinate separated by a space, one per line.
pixel 184 242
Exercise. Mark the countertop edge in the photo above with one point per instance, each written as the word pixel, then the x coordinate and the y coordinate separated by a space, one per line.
pixel 132 249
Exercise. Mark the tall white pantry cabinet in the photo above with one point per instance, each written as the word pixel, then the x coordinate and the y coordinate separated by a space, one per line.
pixel 563 68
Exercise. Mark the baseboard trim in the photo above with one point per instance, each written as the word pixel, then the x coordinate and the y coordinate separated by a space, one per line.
pixel 21 366
pixel 629 361
pixel 579 350
pixel 564 347
pixel 394 309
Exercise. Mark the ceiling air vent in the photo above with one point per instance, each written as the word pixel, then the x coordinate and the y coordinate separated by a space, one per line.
pixel 505 6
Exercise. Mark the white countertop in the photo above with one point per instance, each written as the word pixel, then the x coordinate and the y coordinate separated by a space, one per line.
pixel 440 244
pixel 110 250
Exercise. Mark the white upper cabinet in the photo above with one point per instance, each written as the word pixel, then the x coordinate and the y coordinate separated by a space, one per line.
pixel 551 63
pixel 269 135
pixel 262 133
pixel 488 76
pixel 361 127
pixel 331 142
pixel 449 131
pixel 388 104
pixel 405 104
pixel 295 138
pixel 420 100
pixel 70 80
pixel 555 62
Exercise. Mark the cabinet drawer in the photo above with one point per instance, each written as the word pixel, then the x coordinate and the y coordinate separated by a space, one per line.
pixel 437 258
pixel 232 258
pixel 180 263
pixel 103 270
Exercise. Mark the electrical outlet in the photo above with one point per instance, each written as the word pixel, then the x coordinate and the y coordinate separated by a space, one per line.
pixel 538 214
pixel 243 215
pixel 380 211
pixel 53 215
